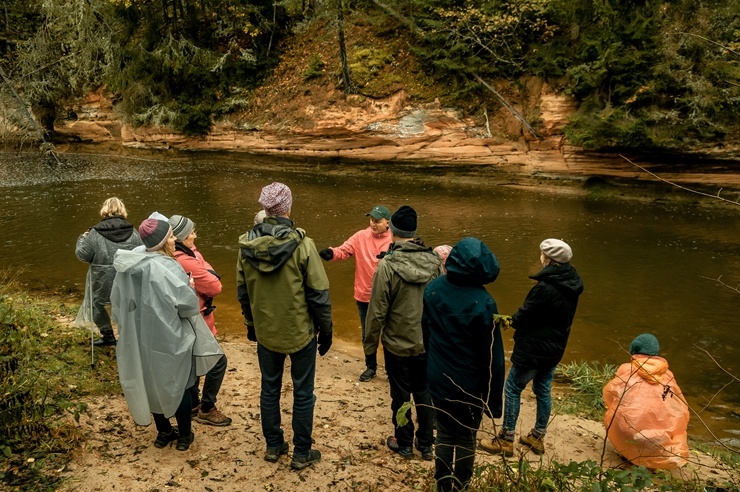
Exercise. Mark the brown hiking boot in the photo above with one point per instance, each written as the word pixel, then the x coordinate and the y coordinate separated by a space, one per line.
pixel 194 412
pixel 537 445
pixel 213 417
pixel 497 445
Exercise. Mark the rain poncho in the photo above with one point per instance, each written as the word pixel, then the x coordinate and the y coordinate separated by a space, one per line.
pixel 646 415
pixel 97 248
pixel 163 340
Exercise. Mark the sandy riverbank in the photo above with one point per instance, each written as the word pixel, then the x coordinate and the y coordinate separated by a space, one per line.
pixel 352 420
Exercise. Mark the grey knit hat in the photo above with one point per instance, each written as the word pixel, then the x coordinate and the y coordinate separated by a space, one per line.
pixel 154 233
pixel 645 344
pixel 556 250
pixel 181 227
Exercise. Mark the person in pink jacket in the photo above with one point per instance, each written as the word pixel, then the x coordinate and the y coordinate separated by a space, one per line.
pixel 207 285
pixel 367 246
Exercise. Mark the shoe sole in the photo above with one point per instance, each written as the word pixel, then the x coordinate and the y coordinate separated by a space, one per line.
pixel 301 465
pixel 210 422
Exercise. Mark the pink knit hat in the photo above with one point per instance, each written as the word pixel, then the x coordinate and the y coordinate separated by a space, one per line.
pixel 276 199
pixel 443 252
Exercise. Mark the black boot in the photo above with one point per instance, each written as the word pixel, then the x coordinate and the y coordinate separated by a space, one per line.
pixel 108 339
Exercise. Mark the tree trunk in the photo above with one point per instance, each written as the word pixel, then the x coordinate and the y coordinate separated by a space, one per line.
pixel 346 80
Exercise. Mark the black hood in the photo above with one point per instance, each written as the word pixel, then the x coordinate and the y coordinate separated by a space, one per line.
pixel 115 229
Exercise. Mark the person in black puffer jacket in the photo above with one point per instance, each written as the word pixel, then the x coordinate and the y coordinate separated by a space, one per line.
pixel 542 327
pixel 465 364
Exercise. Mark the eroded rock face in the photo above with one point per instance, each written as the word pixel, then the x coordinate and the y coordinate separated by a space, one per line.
pixel 388 129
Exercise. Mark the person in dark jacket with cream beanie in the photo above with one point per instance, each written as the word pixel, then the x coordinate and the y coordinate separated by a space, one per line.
pixel 542 327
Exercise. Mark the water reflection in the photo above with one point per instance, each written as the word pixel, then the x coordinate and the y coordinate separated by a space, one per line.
pixel 641 262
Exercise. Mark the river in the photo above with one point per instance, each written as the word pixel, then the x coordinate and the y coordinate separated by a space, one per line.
pixel 643 263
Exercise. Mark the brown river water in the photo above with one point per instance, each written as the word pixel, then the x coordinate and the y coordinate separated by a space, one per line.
pixel 642 262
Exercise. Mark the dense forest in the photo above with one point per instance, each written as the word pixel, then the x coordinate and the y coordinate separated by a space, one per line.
pixel 648 74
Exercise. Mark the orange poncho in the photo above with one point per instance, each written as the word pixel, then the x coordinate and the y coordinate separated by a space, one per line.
pixel 647 415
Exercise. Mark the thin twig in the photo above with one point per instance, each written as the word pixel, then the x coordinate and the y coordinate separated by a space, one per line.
pixel 719 281
pixel 717 196
pixel 711 41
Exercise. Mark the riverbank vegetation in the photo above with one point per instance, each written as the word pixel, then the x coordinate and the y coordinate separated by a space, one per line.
pixel 46 379
pixel 647 75
pixel 45 375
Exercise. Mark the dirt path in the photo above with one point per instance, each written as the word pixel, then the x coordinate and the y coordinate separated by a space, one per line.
pixel 351 423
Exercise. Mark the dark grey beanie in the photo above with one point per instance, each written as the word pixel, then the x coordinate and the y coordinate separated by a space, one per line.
pixel 403 222
pixel 645 344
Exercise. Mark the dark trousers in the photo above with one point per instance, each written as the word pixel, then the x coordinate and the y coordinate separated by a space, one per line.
pixel 101 318
pixel 408 376
pixel 211 386
pixel 454 453
pixel 182 416
pixel 303 373
pixel 371 361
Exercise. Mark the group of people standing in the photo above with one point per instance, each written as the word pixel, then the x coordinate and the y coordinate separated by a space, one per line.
pixel 429 308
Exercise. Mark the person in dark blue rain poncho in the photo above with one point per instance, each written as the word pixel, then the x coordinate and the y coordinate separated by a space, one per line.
pixel 465 357
pixel 164 343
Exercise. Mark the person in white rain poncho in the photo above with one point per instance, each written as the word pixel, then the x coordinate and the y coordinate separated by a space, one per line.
pixel 163 340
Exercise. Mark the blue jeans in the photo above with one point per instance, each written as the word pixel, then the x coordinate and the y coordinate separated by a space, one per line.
pixel 302 372
pixel 371 361
pixel 516 381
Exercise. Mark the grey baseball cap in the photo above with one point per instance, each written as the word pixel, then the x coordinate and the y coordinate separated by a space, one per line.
pixel 379 212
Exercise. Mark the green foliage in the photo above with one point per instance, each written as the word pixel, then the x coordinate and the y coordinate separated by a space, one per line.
pixel 315 68
pixel 586 476
pixel 587 380
pixel 65 57
pixel 44 371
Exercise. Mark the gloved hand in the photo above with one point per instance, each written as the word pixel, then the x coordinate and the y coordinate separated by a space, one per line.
pixel 251 334
pixel 326 254
pixel 324 342
pixel 381 255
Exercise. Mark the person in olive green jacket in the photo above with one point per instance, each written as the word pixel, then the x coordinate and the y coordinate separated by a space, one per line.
pixel 394 315
pixel 284 294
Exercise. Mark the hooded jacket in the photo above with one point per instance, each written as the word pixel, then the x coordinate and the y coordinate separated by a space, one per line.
pixel 465 353
pixel 543 322
pixel 207 282
pixel 282 286
pixel 98 248
pixel 646 414
pixel 395 308
pixel 365 246
pixel 163 341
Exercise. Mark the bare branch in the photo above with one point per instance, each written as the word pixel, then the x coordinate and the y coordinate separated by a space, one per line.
pixel 720 282
pixel 711 41
pixel 717 196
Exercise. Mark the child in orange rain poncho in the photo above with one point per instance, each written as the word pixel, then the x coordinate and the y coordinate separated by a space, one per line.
pixel 646 413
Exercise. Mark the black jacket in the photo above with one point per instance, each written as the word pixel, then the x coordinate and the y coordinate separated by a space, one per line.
pixel 465 353
pixel 543 322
